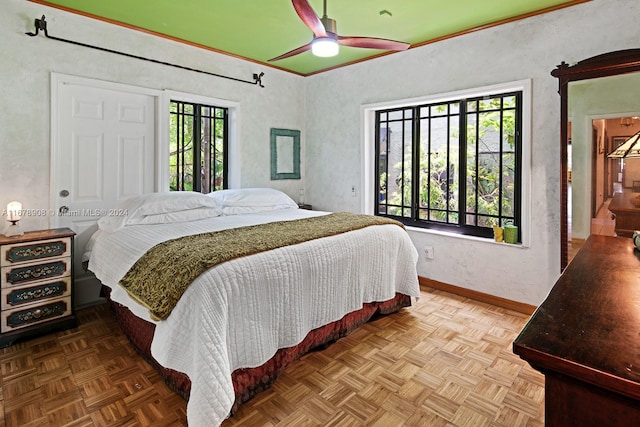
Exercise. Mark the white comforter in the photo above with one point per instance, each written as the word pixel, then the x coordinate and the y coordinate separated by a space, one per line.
pixel 240 312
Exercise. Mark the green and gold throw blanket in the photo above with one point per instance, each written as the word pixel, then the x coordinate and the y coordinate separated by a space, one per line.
pixel 160 277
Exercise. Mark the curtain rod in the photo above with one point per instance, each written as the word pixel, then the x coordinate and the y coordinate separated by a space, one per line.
pixel 41 25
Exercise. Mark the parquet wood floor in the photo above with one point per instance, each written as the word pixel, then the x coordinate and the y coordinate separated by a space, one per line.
pixel 446 361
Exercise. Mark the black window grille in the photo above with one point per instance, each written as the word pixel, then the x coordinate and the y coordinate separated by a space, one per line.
pixel 198 147
pixel 452 165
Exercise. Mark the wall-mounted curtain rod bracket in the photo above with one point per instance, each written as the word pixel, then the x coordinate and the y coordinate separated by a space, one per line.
pixel 41 25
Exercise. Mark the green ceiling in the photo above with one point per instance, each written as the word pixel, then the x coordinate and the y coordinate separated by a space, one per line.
pixel 262 29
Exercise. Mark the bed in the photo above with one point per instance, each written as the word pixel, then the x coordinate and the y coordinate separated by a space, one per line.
pixel 262 294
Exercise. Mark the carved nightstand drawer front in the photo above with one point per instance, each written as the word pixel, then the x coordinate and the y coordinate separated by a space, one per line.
pixel 34 314
pixel 20 295
pixel 32 251
pixel 26 273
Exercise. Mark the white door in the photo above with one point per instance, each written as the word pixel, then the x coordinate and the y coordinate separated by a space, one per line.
pixel 103 150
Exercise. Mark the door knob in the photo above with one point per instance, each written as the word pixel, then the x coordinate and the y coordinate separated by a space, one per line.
pixel 63 209
pixel 64 193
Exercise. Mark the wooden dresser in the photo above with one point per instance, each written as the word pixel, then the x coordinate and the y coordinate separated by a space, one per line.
pixel 585 338
pixel 37 284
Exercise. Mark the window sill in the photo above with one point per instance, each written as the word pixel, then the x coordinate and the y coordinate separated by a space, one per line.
pixel 463 237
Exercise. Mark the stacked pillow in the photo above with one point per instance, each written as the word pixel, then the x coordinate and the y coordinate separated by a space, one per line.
pixel 183 206
pixel 252 200
pixel 161 208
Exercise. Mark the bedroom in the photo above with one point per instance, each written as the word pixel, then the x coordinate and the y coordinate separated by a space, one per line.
pixel 526 49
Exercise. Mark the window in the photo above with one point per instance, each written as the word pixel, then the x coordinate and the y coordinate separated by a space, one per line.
pixel 198 144
pixel 453 165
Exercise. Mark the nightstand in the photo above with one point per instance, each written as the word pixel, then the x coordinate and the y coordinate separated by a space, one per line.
pixel 305 206
pixel 37 284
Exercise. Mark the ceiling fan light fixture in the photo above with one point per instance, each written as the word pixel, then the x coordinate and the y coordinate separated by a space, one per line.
pixel 325 47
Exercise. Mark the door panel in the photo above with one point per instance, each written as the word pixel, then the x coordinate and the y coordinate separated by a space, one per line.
pixel 86 156
pixel 103 151
pixel 131 166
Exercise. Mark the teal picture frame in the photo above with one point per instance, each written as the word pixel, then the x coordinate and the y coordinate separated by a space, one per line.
pixel 285 154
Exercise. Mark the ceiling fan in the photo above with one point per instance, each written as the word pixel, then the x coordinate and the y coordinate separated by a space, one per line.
pixel 326 40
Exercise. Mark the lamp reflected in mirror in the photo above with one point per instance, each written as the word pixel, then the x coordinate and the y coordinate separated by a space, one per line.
pixel 628 150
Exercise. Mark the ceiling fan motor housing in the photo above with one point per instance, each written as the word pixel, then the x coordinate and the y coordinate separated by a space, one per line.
pixel 329 25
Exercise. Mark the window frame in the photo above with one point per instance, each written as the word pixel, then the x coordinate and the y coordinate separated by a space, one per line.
pixel 197 116
pixel 369 160
pixel 233 141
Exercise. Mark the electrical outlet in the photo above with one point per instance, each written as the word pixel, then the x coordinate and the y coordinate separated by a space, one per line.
pixel 353 191
pixel 428 252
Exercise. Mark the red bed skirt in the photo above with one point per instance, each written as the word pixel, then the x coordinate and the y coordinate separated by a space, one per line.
pixel 250 381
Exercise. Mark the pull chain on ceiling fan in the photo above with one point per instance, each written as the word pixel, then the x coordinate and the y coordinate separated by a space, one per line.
pixel 326 40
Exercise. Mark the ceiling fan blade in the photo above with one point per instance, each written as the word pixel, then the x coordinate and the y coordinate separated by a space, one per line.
pixel 293 52
pixel 373 43
pixel 309 17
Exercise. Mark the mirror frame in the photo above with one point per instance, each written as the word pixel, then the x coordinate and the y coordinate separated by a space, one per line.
pixel 605 65
pixel 295 155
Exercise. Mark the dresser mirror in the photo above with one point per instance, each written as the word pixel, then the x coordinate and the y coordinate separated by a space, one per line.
pixel 579 78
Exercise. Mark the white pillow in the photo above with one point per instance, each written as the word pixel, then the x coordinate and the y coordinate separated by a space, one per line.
pixel 121 215
pixel 134 209
pixel 177 216
pixel 250 200
pixel 173 201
